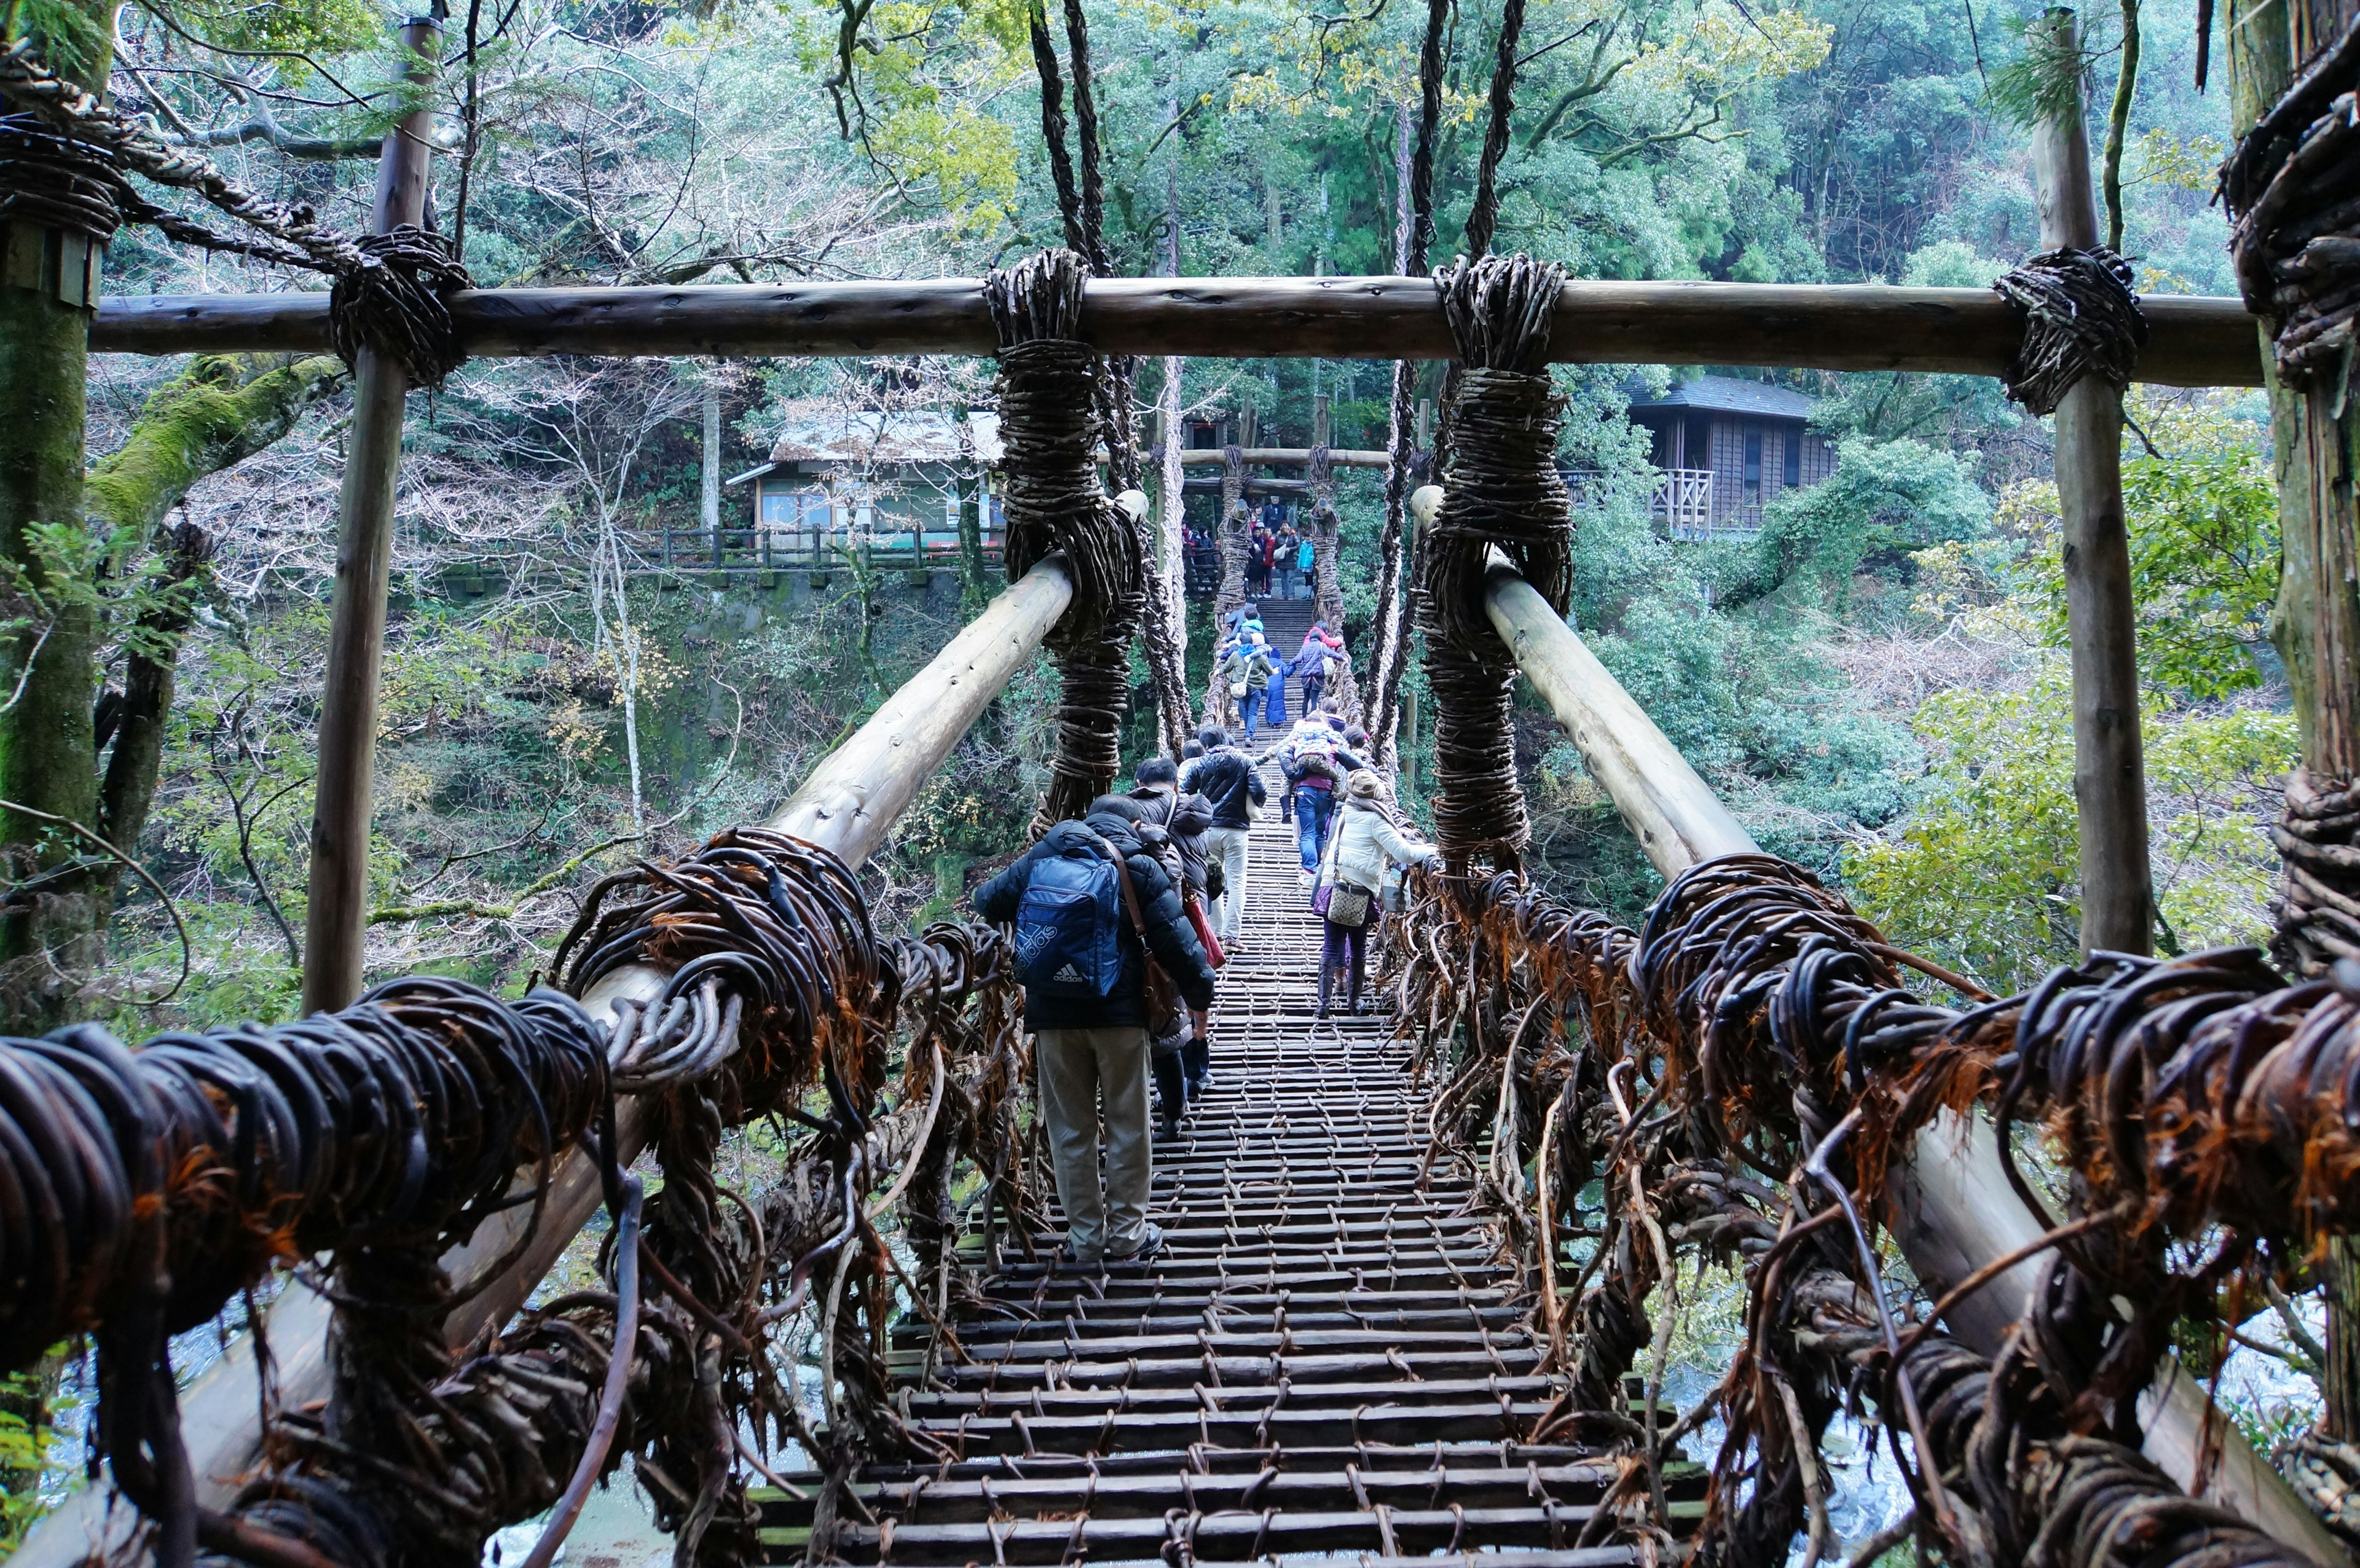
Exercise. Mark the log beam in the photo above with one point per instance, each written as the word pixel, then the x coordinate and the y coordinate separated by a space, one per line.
pixel 1952 1209
pixel 848 805
pixel 2193 342
pixel 1670 810
pixel 1284 457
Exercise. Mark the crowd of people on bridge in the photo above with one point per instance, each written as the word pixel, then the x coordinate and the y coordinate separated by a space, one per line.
pixel 1257 673
pixel 1122 919
pixel 1281 560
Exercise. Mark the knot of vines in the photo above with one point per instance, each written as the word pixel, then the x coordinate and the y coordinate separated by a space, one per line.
pixel 1502 490
pixel 2294 229
pixel 54 180
pixel 1053 502
pixel 393 300
pixel 2080 318
pixel 2318 910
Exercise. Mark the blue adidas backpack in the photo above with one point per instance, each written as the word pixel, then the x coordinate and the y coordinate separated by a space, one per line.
pixel 1067 928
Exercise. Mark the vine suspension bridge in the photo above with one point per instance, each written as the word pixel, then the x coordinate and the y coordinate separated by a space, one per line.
pixel 1412 1299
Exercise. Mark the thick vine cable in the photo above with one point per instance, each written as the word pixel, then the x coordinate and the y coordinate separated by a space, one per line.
pixel 1395 575
pixel 1503 492
pixel 1082 204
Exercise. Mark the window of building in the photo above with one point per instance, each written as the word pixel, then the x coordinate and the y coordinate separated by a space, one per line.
pixel 1792 441
pixel 783 508
pixel 1698 449
pixel 1753 467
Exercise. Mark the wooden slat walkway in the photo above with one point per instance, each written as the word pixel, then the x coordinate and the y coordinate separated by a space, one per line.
pixel 1324 1363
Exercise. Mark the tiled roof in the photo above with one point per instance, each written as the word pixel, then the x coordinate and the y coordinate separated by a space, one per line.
pixel 818 431
pixel 1728 395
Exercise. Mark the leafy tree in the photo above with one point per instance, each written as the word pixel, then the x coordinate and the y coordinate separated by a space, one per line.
pixel 1985 872
pixel 1884 500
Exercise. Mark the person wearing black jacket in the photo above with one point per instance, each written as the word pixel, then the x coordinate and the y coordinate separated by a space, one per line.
pixel 1092 1052
pixel 1233 783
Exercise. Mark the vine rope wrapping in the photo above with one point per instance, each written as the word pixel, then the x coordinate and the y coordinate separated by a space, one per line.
pixel 2080 318
pixel 65 156
pixel 1742 1076
pixel 1327 594
pixel 2294 207
pixel 1052 503
pixel 1503 491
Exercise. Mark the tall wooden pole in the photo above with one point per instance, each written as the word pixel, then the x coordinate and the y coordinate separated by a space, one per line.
pixel 2315 450
pixel 49 662
pixel 336 921
pixel 2109 765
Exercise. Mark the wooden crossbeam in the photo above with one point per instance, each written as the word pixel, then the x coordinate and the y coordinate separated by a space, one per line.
pixel 2194 342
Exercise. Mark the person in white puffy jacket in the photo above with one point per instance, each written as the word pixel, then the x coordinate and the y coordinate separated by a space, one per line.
pixel 1369 838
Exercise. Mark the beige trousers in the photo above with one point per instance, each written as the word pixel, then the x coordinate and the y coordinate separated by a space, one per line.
pixel 1229 909
pixel 1081 1071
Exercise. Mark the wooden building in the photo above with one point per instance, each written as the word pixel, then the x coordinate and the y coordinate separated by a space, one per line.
pixel 890 482
pixel 1723 449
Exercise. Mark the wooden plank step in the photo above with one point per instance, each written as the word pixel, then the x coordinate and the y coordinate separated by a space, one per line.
pixel 1215 1371
pixel 1222 1537
pixel 1064 1347
pixel 1501 1420
pixel 925 1499
pixel 1366 1457
pixel 1222 1326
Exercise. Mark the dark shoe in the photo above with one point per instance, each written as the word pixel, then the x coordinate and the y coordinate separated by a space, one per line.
pixel 1149 1246
pixel 1068 1259
pixel 1322 1012
pixel 1167 1129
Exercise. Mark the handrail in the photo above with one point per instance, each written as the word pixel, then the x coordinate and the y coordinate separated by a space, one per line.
pixel 838 809
pixel 2191 341
pixel 1955 1211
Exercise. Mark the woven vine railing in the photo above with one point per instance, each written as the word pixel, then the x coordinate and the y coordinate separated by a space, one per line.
pixel 141 1191
pixel 1742 1076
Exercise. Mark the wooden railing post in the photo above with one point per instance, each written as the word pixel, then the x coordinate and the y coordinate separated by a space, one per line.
pixel 336 923
pixel 2109 766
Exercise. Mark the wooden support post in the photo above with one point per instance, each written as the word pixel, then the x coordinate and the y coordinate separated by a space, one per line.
pixel 848 805
pixel 1319 421
pixel 2109 767
pixel 1952 1209
pixel 49 661
pixel 336 921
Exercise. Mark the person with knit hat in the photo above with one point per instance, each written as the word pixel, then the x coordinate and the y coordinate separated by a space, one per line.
pixel 1369 839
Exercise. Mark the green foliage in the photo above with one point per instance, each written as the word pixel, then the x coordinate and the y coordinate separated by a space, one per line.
pixel 315 27
pixel 1983 873
pixel 2202 521
pixel 1885 499
pixel 2043 82
pixel 73 36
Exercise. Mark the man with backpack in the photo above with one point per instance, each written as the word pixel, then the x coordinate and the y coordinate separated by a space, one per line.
pixel 1174 823
pixel 1099 930
pixel 1316 762
pixel 1232 785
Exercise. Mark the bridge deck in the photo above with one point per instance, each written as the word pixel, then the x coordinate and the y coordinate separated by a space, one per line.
pixel 1324 1363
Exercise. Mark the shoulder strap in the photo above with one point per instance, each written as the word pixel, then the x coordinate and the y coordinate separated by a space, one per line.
pixel 1122 880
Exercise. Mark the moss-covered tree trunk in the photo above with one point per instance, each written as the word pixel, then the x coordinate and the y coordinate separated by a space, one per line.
pixel 49 623
pixel 2315 437
pixel 218 413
